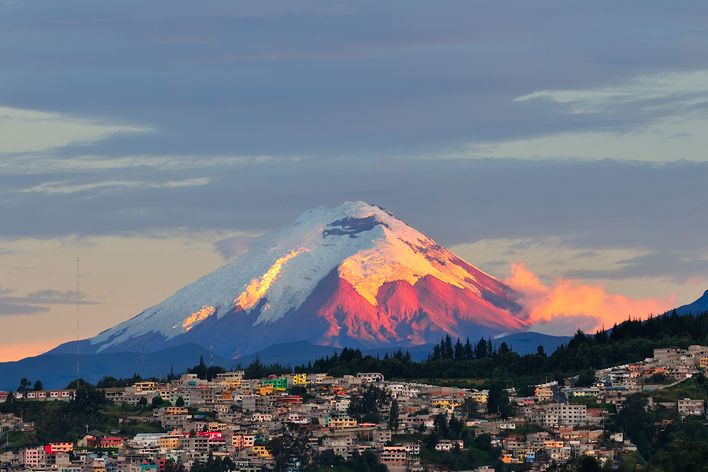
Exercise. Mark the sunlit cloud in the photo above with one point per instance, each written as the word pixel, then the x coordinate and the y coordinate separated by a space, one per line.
pixel 552 308
pixel 31 130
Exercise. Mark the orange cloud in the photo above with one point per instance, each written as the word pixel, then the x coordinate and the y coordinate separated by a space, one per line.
pixel 572 304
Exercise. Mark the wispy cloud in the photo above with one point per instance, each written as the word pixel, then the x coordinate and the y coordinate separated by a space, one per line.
pixel 666 90
pixel 23 130
pixel 66 187
pixel 655 117
pixel 38 301
pixel 232 246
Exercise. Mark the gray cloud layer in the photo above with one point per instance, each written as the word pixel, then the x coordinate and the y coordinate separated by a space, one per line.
pixel 331 78
pixel 253 111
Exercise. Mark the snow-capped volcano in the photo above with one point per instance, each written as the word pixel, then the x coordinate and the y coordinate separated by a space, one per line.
pixel 354 275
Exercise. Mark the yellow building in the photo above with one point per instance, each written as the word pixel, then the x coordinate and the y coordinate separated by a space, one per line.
pixel 480 397
pixel 300 379
pixel 544 393
pixel 216 426
pixel 145 386
pixel 176 410
pixel 169 443
pixel 447 404
pixel 262 451
pixel 341 422
pixel 265 390
pixel 703 362
pixel 230 379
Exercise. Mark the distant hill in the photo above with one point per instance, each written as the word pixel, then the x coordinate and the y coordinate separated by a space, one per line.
pixel 58 367
pixel 528 342
pixel 57 370
pixel 301 352
pixel 699 306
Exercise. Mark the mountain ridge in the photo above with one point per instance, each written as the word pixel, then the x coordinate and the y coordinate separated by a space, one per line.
pixel 698 306
pixel 56 368
pixel 354 275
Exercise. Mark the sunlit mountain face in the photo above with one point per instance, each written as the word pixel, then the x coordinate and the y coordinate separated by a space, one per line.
pixel 354 275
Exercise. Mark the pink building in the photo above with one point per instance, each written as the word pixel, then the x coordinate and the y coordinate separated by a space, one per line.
pixel 33 457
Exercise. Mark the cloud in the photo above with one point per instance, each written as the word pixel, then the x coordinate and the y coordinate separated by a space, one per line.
pixel 51 296
pixel 232 246
pixel 484 199
pixel 11 308
pixel 66 187
pixel 38 301
pixel 24 130
pixel 675 90
pixel 654 117
pixel 672 138
pixel 685 265
pixel 548 255
pixel 287 78
pixel 566 303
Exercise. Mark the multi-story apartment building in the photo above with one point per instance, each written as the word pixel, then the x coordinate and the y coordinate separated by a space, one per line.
pixel 690 407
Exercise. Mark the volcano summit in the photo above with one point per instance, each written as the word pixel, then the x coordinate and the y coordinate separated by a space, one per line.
pixel 354 275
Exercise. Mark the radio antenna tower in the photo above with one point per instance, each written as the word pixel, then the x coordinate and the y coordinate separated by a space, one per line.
pixel 78 326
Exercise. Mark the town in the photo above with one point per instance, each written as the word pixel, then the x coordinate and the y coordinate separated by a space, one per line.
pixel 296 420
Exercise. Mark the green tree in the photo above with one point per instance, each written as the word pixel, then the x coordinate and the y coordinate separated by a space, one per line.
pixel 179 401
pixel 393 416
pixel 636 423
pixel 480 350
pixel 289 450
pixel 589 464
pixel 440 425
pixel 200 369
pixel 470 408
pixel 367 406
pixel 23 388
pixel 171 466
pixel 498 401
pixel 586 378
pixel 38 386
pixel 156 402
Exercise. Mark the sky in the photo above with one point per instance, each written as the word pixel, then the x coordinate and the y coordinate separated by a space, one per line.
pixel 560 146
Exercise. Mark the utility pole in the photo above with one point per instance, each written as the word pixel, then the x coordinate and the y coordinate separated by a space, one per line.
pixel 78 325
